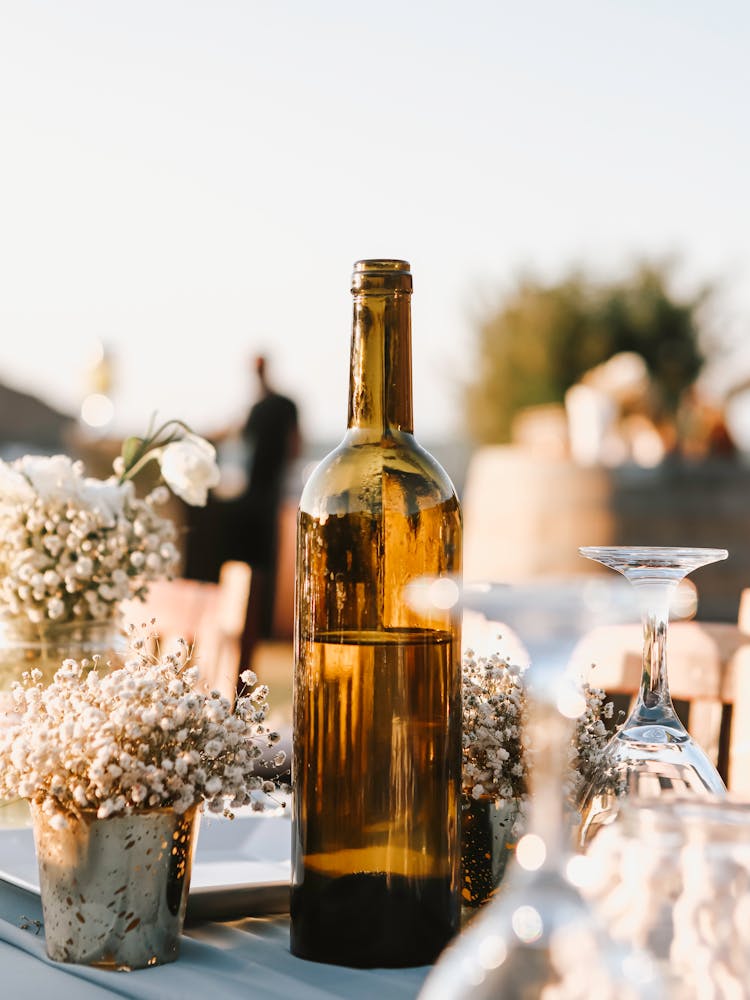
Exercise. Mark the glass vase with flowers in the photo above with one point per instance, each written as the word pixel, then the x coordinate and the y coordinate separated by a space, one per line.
pixel 73 548
pixel 115 767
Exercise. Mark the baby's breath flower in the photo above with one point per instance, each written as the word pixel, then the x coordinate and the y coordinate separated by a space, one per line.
pixel 69 550
pixel 494 716
pixel 158 496
pixel 110 743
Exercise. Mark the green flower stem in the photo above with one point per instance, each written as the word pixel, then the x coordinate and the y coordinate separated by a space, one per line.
pixel 151 447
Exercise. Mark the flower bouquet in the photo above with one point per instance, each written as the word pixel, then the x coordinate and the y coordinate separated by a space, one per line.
pixel 496 761
pixel 72 548
pixel 115 767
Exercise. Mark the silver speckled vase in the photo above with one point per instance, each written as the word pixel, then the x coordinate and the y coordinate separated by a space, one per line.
pixel 488 840
pixel 114 890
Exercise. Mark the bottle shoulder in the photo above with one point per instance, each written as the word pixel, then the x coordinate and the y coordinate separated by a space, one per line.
pixel 363 473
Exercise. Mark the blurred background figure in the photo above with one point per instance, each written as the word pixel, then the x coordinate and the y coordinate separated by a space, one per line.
pixel 613 414
pixel 626 349
pixel 271 440
pixel 605 372
pixel 241 520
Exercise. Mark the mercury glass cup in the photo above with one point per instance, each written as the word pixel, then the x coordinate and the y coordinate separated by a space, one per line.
pixel 651 754
pixel 538 938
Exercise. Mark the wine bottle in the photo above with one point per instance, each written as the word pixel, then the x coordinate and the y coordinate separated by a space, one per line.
pixel 377 687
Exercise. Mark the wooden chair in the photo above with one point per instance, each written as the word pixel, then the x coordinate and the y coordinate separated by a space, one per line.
pixel 737 693
pixel 709 680
pixel 215 617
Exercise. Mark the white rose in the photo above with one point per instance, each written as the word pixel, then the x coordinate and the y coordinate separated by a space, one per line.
pixel 189 468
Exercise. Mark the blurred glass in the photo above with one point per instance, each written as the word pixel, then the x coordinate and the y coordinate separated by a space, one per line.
pixel 672 877
pixel 539 938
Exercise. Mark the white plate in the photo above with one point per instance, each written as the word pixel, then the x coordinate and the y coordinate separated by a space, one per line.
pixel 241 866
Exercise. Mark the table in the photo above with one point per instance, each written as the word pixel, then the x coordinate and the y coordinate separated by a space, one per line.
pixel 246 959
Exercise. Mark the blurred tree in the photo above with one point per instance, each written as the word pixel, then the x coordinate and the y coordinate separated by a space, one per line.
pixel 543 338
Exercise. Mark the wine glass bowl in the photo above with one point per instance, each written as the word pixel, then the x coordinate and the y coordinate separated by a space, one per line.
pixel 651 754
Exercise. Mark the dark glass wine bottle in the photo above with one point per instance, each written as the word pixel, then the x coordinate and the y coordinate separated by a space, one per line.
pixel 377 688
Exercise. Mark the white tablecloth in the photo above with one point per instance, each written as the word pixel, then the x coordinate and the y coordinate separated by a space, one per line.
pixel 247 959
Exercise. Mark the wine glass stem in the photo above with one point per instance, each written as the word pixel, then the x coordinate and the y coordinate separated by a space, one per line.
pixel 550 736
pixel 654 701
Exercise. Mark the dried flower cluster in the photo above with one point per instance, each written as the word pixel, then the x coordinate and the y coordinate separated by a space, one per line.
pixel 140 737
pixel 493 720
pixel 587 757
pixel 72 547
pixel 494 710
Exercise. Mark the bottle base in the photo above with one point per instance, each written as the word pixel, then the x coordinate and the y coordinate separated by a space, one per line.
pixel 372 920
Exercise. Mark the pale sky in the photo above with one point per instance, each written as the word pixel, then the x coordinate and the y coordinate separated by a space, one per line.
pixel 191 181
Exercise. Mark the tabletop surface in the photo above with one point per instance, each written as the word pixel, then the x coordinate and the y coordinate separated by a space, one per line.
pixel 237 959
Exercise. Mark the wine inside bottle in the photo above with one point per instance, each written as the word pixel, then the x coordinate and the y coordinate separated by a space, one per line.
pixel 376 764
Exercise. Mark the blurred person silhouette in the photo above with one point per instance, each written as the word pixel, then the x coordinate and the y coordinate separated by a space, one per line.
pixel 614 414
pixel 271 439
pixel 244 526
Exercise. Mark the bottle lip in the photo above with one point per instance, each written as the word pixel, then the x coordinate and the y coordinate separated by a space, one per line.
pixel 383 275
pixel 380 264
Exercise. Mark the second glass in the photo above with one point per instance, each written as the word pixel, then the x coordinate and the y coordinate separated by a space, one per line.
pixel 651 754
pixel 538 938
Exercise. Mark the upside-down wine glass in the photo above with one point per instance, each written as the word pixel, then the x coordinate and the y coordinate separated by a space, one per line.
pixel 538 939
pixel 651 754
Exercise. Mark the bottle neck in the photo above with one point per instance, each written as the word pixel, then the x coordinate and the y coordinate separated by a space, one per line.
pixel 380 399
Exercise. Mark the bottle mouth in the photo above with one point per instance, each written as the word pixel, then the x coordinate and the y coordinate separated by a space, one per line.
pixel 381 264
pixel 381 275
